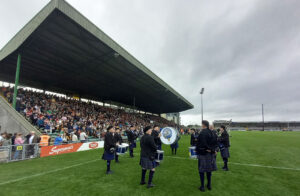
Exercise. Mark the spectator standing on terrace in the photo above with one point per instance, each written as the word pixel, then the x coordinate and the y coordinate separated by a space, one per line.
pixel 18 142
pixel 31 139
pixel 2 138
pixel 83 137
pixel 74 137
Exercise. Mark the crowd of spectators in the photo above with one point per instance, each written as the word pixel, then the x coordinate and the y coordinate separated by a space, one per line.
pixel 74 119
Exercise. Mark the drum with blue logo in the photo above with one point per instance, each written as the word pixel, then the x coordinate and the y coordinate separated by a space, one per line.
pixel 192 152
pixel 122 149
pixel 169 135
pixel 159 156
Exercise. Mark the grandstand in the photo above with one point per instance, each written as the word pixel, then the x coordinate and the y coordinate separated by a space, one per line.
pixel 61 51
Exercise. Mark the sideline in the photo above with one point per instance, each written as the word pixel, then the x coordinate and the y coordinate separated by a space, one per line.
pixel 47 172
pixel 245 164
pixel 174 157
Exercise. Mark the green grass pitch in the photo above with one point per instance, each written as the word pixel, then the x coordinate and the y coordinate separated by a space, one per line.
pixel 83 173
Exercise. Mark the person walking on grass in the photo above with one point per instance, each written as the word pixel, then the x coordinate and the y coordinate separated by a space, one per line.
pixel 224 145
pixel 109 148
pixel 205 152
pixel 148 150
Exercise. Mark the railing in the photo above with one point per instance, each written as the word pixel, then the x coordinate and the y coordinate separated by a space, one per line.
pixel 18 152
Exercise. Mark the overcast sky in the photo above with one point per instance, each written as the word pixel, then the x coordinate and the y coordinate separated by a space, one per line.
pixel 243 52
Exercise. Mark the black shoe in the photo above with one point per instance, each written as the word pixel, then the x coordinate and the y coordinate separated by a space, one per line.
pixel 223 167
pixel 142 183
pixel 208 187
pixel 201 188
pixel 226 169
pixel 109 172
pixel 150 185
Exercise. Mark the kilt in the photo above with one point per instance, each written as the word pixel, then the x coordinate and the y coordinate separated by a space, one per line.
pixel 146 163
pixel 174 145
pixel 207 163
pixel 132 146
pixel 108 156
pixel 225 153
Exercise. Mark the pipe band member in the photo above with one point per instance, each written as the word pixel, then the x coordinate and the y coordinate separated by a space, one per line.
pixel 224 145
pixel 109 147
pixel 194 137
pixel 215 145
pixel 205 152
pixel 174 147
pixel 147 161
pixel 118 139
pixel 131 134
pixel 156 135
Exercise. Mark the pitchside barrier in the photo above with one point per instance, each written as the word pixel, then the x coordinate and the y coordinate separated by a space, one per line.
pixel 18 152
pixel 28 151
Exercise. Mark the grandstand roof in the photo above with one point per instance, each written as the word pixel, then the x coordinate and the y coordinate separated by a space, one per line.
pixel 62 51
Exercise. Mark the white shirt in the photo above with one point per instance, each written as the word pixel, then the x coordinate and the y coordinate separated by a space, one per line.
pixel 74 138
pixel 83 136
pixel 30 139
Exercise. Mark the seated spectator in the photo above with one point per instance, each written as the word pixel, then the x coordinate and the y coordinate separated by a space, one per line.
pixel 58 140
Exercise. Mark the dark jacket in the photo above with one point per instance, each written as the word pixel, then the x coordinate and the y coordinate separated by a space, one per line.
pixel 224 139
pixel 155 135
pixel 35 139
pixel 118 138
pixel 109 142
pixel 215 144
pixel 131 136
pixel 204 142
pixel 194 138
pixel 148 146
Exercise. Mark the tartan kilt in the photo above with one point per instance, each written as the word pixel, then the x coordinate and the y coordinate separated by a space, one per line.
pixel 132 146
pixel 146 163
pixel 207 163
pixel 225 153
pixel 108 156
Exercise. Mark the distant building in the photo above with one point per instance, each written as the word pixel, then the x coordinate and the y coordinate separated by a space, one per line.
pixel 267 126
pixel 175 117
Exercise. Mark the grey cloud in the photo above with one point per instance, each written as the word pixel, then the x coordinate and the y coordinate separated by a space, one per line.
pixel 244 53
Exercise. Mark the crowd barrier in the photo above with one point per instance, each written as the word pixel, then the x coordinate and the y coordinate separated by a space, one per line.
pixel 28 151
pixel 18 152
pixel 68 148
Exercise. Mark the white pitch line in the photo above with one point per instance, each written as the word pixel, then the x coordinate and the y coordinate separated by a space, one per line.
pixel 47 172
pixel 79 164
pixel 246 164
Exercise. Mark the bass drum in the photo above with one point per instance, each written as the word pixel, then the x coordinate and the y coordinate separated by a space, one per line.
pixel 169 135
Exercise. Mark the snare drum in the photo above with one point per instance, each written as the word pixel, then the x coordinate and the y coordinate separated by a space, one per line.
pixel 159 156
pixel 122 149
pixel 192 152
